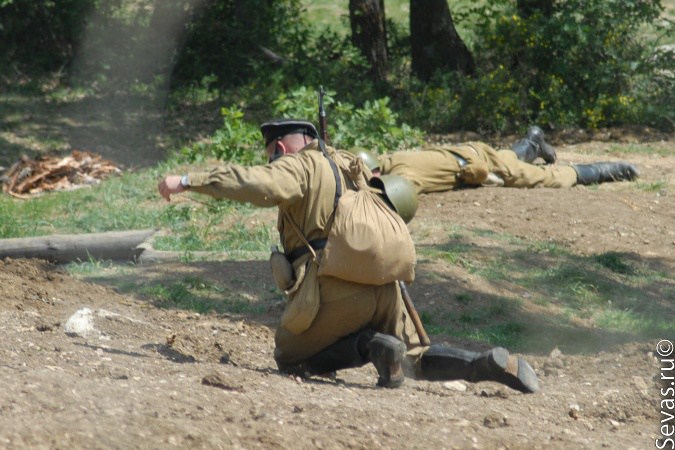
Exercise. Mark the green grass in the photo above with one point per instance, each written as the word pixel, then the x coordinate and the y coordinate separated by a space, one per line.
pixel 121 203
pixel 491 322
pixel 632 149
pixel 131 202
pixel 655 186
pixel 196 294
pixel 188 292
pixel 613 293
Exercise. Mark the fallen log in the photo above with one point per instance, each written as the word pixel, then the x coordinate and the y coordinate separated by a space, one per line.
pixel 62 248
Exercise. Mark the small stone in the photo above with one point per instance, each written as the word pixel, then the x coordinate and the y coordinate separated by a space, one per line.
pixel 216 380
pixel 455 386
pixel 495 420
pixel 639 383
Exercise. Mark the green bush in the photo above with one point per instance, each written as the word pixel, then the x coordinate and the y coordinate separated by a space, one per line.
pixel 584 64
pixel 374 125
pixel 236 141
pixel 226 38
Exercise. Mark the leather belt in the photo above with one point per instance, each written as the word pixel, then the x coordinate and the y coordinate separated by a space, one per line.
pixel 316 244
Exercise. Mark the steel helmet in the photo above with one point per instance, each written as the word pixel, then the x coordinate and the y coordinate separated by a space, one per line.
pixel 400 193
pixel 369 158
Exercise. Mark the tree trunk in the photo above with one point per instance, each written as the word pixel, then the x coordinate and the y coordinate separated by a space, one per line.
pixel 435 42
pixel 61 248
pixel 369 34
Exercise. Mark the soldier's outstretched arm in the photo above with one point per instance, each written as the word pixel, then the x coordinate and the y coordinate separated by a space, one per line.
pixel 171 184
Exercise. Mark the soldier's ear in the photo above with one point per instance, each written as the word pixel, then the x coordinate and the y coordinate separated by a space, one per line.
pixel 282 148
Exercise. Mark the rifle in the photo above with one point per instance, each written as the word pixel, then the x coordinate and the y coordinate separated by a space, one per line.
pixel 412 312
pixel 407 301
pixel 323 126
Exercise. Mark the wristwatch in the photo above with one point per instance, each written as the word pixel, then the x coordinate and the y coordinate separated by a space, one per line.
pixel 184 181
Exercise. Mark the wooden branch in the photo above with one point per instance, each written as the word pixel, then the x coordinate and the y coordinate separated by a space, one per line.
pixel 112 245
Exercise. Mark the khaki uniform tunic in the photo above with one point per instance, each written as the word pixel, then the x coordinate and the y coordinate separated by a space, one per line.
pixel 303 185
pixel 435 168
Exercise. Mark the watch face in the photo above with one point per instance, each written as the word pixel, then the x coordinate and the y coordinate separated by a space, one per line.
pixel 184 181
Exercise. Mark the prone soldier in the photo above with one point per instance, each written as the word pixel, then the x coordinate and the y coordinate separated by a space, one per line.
pixel 445 167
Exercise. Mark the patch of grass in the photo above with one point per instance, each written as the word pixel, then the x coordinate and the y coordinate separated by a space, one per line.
pixel 505 334
pixel 119 203
pixel 95 266
pixel 547 247
pixel 632 321
pixel 489 321
pixel 632 149
pixel 611 292
pixel 464 298
pixel 655 186
pixel 130 202
pixel 196 294
pixel 454 253
pixel 614 262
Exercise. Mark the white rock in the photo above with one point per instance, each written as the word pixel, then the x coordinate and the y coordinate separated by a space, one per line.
pixel 455 386
pixel 80 324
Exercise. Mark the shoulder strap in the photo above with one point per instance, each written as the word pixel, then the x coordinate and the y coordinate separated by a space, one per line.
pixel 338 181
pixel 338 194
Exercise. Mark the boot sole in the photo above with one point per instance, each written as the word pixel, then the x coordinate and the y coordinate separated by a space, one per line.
pixel 518 374
pixel 387 354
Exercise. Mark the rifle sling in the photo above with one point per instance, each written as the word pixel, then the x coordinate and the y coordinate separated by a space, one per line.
pixel 317 244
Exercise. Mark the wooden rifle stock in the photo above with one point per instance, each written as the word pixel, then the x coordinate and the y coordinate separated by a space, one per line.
pixel 412 312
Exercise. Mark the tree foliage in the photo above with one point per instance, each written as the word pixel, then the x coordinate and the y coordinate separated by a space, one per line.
pixel 577 62
pixel 558 63
pixel 40 36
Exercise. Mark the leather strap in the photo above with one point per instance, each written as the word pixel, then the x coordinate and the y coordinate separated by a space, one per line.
pixel 338 181
pixel 316 244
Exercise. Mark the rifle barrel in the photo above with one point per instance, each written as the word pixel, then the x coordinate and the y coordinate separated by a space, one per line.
pixel 323 126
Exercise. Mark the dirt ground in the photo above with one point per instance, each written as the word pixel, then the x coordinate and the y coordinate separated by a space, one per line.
pixel 85 366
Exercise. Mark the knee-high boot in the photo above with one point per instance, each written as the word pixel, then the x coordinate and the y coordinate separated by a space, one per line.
pixel 602 172
pixel 355 350
pixel 445 363
pixel 534 145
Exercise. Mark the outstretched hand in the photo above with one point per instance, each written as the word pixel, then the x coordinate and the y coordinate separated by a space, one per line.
pixel 170 185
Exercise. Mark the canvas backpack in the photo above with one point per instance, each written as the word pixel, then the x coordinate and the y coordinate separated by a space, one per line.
pixel 367 242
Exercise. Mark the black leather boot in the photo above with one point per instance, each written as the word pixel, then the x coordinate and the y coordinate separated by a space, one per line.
pixel 533 146
pixel 385 352
pixel 526 150
pixel 605 171
pixel 444 363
